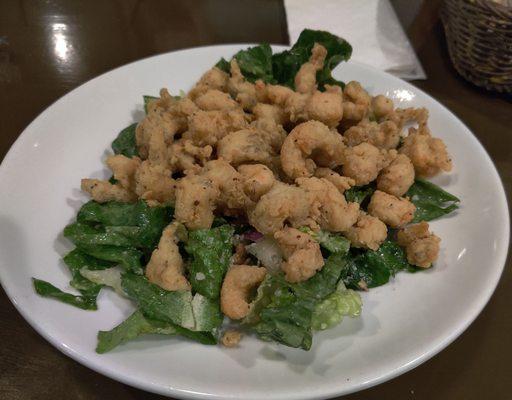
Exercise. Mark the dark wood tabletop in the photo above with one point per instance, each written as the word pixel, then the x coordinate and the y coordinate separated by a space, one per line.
pixel 96 36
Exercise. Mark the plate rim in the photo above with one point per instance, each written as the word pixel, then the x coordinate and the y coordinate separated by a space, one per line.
pixel 333 391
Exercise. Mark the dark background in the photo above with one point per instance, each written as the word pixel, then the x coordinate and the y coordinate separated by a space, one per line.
pixel 102 35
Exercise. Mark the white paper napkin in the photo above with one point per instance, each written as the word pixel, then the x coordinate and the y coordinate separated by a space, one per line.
pixel 370 26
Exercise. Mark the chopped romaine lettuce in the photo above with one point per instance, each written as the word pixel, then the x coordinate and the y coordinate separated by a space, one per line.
pixel 87 235
pixel 331 241
pixel 121 219
pixel 76 260
pixel 127 257
pixel 132 327
pixel 256 63
pixel 125 142
pixel 157 303
pixel 46 289
pixel 207 314
pixel 210 251
pixel 286 64
pixel 358 194
pixel 374 268
pixel 330 311
pixel 109 277
pixel 197 317
pixel 283 311
pixel 431 201
pixel 259 63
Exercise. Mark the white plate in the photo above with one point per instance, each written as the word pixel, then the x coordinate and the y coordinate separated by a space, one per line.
pixel 403 323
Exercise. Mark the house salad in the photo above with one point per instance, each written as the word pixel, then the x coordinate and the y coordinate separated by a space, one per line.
pixel 267 197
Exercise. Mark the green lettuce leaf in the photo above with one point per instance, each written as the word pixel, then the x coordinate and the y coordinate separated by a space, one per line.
pixel 134 326
pixel 106 235
pixel 197 318
pixel 333 242
pixel 259 63
pixel 287 320
pixel 286 64
pixel 137 325
pixel 46 289
pixel 110 213
pixel 223 65
pixel 127 257
pixel 125 142
pixel 87 235
pixel 159 304
pixel 256 63
pixel 262 299
pixel 139 224
pixel 358 194
pixel 330 311
pixel 431 201
pixel 283 311
pixel 207 314
pixel 75 261
pixel 106 277
pixel 375 268
pixel 210 251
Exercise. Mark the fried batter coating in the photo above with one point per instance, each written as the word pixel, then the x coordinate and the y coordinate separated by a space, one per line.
pixel 124 169
pixel 385 135
pixel 216 100
pixel 155 123
pixel 342 183
pixel 257 179
pixel 103 191
pixel 382 106
pixel 238 284
pixel 154 183
pixel 212 79
pixel 186 156
pixel 283 203
pixel 158 152
pixel 230 184
pixel 207 127
pixel 402 116
pixel 243 91
pixel 326 107
pixel 167 116
pixel 269 111
pixel 273 133
pixel 310 144
pixel 356 101
pixel 397 177
pixel 245 146
pixel 368 232
pixel 295 106
pixel 393 211
pixel 275 94
pixel 231 338
pixel 302 254
pixel 421 246
pixel 165 268
pixel 305 79
pixel 329 207
pixel 364 162
pixel 195 201
pixel 428 154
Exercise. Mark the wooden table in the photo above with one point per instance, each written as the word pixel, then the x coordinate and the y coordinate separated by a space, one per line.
pixel 48 48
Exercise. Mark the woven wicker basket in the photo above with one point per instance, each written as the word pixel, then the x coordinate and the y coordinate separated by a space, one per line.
pixel 479 35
